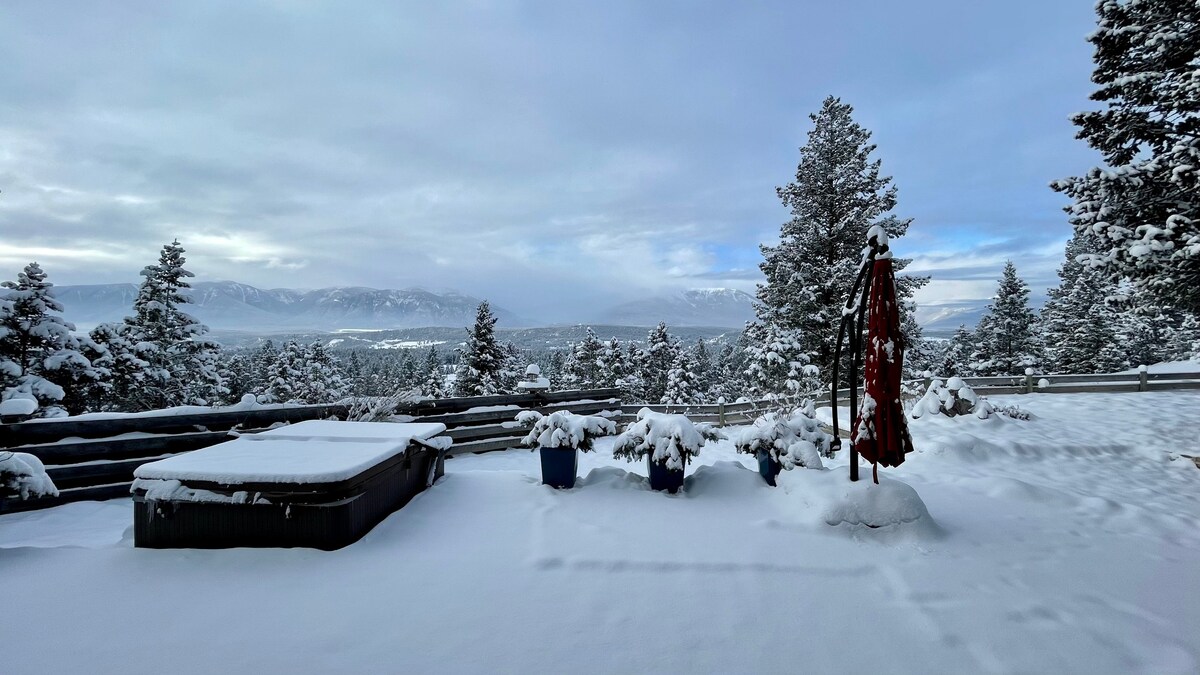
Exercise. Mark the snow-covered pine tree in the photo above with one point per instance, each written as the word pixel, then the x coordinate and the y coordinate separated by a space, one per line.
pixel 1185 343
pixel 1090 344
pixel 1143 206
pixel 183 366
pixel 958 356
pixel 661 352
pixel 433 384
pixel 682 380
pixel 286 375
pixel 38 353
pixel 837 195
pixel 777 364
pixel 727 375
pixel 555 365
pixel 582 367
pixel 120 368
pixel 481 358
pixel 633 387
pixel 321 379
pixel 611 368
pixel 702 365
pixel 1006 336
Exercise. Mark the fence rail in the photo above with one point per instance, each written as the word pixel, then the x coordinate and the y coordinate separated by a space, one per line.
pixel 94 458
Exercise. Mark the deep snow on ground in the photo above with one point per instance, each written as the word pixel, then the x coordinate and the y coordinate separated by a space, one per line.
pixel 1068 543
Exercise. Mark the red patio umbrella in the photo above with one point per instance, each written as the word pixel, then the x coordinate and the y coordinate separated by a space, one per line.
pixel 880 431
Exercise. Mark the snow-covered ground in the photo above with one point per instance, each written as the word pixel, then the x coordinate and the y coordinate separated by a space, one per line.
pixel 1067 543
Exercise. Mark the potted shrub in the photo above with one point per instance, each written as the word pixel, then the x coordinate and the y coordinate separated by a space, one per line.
pixel 559 437
pixel 780 441
pixel 668 442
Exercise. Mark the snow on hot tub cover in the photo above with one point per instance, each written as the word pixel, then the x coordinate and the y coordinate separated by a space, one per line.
pixel 317 451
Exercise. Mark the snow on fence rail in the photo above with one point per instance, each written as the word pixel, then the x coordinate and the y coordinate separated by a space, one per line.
pixel 93 457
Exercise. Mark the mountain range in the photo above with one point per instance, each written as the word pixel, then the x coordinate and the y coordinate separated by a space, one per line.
pixel 232 305
pixel 229 305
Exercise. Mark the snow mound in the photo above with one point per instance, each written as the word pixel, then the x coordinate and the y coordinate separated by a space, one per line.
pixel 18 407
pixel 891 503
pixel 723 479
pixel 613 478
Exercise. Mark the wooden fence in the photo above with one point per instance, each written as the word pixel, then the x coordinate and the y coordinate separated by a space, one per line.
pixel 95 458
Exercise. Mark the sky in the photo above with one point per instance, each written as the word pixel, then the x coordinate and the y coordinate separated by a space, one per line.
pixel 554 157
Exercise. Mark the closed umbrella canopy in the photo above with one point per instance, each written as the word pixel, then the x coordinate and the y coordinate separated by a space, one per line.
pixel 881 432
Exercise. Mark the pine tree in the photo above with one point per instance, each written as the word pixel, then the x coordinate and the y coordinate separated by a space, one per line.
pixel 320 376
pixel 286 374
pixel 702 365
pixel 777 364
pixel 837 195
pixel 183 366
pixel 610 364
pixel 728 377
pixel 958 356
pixel 661 352
pixel 555 366
pixel 1185 343
pixel 682 381
pixel 633 386
pixel 38 353
pixel 582 367
pixel 434 383
pixel 1006 336
pixel 481 359
pixel 1144 205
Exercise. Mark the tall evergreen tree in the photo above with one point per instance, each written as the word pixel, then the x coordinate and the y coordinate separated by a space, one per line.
pixel 286 374
pixel 1006 336
pixel 777 364
pixel 582 367
pixel 682 380
pixel 38 353
pixel 661 351
pixel 482 358
pixel 1143 206
pixel 183 366
pixel 433 384
pixel 611 366
pixel 837 195
pixel 958 356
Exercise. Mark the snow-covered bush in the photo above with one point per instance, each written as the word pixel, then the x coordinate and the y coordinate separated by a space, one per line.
pixel 23 475
pixel 952 399
pixel 671 440
pixel 1014 412
pixel 563 429
pixel 791 440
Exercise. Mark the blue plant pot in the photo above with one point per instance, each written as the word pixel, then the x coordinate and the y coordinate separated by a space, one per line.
pixel 767 467
pixel 662 478
pixel 559 466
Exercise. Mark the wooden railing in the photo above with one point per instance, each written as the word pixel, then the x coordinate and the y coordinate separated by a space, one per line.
pixel 95 458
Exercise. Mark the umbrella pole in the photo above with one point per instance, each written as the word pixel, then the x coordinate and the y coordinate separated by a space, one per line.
pixel 854 343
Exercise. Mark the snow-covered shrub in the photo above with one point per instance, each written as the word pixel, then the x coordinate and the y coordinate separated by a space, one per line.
pixel 792 440
pixel 24 475
pixel 378 408
pixel 952 399
pixel 1014 412
pixel 671 440
pixel 563 429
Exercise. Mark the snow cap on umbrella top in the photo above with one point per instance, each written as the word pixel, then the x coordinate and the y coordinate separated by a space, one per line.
pixel 881 242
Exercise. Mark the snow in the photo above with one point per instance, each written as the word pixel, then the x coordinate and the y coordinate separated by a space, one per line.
pixel 317 451
pixel 1065 544
pixel 17 407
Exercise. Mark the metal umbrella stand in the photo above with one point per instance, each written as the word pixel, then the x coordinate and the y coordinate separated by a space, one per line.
pixel 880 432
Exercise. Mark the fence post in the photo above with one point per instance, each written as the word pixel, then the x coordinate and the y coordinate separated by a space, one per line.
pixel 721 413
pixel 1142 379
pixel 1029 380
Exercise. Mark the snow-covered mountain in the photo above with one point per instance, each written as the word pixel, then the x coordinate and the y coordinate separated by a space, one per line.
pixel 723 307
pixel 943 318
pixel 232 305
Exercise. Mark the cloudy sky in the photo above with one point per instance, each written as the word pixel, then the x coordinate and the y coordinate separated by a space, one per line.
pixel 551 156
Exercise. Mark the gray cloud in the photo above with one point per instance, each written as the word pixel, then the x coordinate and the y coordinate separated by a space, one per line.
pixel 549 156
